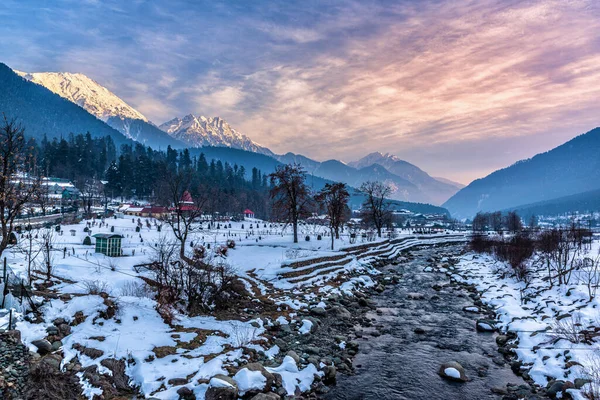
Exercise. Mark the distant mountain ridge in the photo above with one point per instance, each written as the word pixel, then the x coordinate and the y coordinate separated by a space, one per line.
pixel 571 168
pixel 432 189
pixel 422 188
pixel 202 131
pixel 575 203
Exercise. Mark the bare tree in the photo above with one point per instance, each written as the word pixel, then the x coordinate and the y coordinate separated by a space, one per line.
pixel 47 246
pixel 334 199
pixel 16 189
pixel 561 249
pixel 290 195
pixel 589 274
pixel 90 189
pixel 31 248
pixel 496 221
pixel 480 222
pixel 41 197
pixel 513 222
pixel 375 208
pixel 185 210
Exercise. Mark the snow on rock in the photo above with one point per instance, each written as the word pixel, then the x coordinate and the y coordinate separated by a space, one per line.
pixel 249 380
pixel 272 352
pixel 452 372
pixel 534 312
pixel 306 327
pixel 293 377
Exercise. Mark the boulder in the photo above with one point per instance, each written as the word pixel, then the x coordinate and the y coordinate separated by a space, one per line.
pixel 51 362
pixel 43 346
pixel 221 387
pixel 339 312
pixel 486 325
pixel 452 371
pixel 186 393
pixel 318 311
pixel 330 375
pixel 294 355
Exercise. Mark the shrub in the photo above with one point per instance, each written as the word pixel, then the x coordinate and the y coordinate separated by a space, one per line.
pixel 199 252
pixel 12 239
pixel 96 287
pixel 307 238
pixel 112 228
pixel 221 251
pixel 137 228
pixel 87 241
pixel 86 229
pixel 231 243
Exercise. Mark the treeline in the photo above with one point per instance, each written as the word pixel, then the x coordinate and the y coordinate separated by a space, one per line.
pixel 498 222
pixel 136 171
pixel 563 253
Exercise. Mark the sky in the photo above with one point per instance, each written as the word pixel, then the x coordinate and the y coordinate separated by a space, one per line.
pixel 459 88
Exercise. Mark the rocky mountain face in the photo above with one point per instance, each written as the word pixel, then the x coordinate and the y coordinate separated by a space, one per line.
pixel 44 113
pixel 202 131
pixel 435 191
pixel 86 93
pixel 104 105
pixel 571 168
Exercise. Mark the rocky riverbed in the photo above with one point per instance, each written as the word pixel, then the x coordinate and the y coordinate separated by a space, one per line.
pixel 411 335
pixel 420 328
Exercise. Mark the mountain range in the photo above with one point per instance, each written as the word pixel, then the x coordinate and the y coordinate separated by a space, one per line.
pixel 56 104
pixel 409 183
pixel 569 169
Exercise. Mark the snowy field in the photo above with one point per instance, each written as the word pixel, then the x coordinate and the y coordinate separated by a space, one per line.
pixel 195 348
pixel 556 327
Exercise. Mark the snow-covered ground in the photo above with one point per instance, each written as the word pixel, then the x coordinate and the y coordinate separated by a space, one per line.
pixel 199 347
pixel 556 327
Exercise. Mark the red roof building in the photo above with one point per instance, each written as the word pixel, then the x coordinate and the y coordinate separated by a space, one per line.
pixel 248 213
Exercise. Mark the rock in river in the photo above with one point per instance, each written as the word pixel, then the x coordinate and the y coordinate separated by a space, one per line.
pixel 452 371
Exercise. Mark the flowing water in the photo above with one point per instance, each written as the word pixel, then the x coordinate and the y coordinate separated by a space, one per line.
pixel 402 364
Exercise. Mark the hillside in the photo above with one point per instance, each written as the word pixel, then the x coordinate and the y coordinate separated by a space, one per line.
pixel 43 112
pixel 571 168
pixel 580 202
pixel 104 105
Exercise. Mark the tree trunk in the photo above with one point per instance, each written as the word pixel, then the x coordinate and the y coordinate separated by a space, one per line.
pixel 295 224
pixel 332 239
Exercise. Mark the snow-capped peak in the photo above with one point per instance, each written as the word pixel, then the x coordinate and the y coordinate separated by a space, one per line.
pixel 210 131
pixel 374 158
pixel 85 92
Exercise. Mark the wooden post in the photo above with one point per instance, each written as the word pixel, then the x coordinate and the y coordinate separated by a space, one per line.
pixel 5 282
pixel 10 319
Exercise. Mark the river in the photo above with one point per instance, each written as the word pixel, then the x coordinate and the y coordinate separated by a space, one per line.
pixel 403 362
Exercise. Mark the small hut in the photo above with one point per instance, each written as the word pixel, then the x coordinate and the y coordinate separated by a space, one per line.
pixel 248 213
pixel 108 244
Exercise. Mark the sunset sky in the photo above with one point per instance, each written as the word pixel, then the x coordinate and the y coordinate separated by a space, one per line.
pixel 459 88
